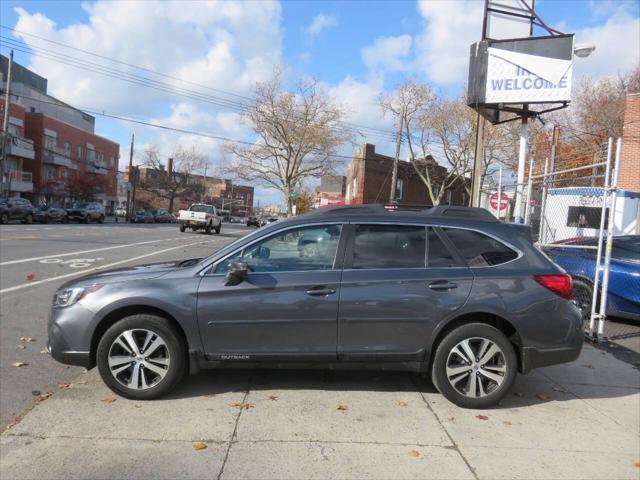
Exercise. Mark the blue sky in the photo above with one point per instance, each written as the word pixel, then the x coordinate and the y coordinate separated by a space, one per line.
pixel 357 49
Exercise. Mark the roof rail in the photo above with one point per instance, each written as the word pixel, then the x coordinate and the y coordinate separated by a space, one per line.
pixel 452 211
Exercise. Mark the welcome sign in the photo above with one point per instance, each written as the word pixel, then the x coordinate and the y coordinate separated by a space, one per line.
pixel 514 77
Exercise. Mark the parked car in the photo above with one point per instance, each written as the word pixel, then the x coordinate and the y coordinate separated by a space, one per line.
pixel 49 213
pixel 161 215
pixel 200 216
pixel 86 212
pixel 121 211
pixel 451 293
pixel 254 222
pixel 142 216
pixel 16 209
pixel 623 294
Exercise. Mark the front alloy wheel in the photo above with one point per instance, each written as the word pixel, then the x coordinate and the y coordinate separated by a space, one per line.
pixel 139 359
pixel 142 357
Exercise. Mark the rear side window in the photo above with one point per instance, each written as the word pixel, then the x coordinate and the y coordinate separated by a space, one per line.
pixel 478 249
pixel 439 256
pixel 389 246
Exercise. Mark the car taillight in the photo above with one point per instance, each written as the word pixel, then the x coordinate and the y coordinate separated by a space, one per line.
pixel 558 284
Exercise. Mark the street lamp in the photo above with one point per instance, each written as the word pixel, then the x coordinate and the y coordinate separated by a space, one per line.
pixel 583 50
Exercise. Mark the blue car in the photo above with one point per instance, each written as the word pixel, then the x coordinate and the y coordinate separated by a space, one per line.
pixel 623 299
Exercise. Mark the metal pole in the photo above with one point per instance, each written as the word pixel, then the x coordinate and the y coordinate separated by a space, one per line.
pixel 603 214
pixel 128 219
pixel 607 257
pixel 499 191
pixel 522 158
pixel 527 211
pixel 543 207
pixel 5 126
pixel 478 162
pixel 394 175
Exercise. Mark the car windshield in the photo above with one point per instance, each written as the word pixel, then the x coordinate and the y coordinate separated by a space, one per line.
pixel 42 208
pixel 202 208
pixel 80 205
pixel 626 248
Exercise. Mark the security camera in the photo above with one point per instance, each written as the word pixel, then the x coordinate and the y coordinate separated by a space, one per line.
pixel 583 50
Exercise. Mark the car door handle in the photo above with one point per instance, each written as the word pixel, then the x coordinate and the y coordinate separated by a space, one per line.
pixel 442 285
pixel 321 291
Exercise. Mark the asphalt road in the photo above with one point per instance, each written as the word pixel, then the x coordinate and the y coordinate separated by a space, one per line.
pixel 36 259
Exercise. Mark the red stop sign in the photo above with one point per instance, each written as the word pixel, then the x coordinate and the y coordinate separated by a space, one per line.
pixel 493 200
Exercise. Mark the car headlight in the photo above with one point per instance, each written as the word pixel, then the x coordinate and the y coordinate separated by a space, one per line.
pixel 69 296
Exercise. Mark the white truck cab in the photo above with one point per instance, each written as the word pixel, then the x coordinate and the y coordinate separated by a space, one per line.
pixel 200 216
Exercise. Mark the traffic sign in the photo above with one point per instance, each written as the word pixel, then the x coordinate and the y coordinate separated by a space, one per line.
pixel 294 195
pixel 493 200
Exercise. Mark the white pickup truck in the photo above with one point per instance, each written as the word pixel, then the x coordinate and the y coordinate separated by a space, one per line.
pixel 200 216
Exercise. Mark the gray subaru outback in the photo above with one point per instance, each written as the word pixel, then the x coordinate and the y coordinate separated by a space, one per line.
pixel 448 292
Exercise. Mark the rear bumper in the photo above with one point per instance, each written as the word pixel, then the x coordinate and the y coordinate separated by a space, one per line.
pixel 531 357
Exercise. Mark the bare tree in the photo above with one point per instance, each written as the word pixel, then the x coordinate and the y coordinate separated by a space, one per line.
pixel 177 183
pixel 298 136
pixel 438 128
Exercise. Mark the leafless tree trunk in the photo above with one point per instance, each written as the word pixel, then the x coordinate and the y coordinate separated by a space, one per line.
pixel 298 136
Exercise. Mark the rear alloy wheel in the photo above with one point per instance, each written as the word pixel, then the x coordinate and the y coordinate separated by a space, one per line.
pixel 474 366
pixel 582 297
pixel 142 357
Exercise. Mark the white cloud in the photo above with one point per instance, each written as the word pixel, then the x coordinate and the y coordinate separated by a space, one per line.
pixel 222 45
pixel 388 54
pixel 321 22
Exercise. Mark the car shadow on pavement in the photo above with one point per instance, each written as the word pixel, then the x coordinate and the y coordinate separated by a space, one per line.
pixel 539 387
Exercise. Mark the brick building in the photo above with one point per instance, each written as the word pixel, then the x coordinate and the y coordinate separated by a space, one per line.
pixel 369 180
pixel 330 191
pixel 630 159
pixel 54 155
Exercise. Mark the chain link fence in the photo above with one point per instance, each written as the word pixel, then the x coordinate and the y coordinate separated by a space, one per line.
pixel 570 200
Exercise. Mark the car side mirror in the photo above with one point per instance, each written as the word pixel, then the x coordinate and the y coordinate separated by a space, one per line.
pixel 237 273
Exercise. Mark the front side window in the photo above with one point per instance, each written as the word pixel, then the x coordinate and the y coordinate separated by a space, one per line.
pixel 478 249
pixel 389 246
pixel 438 256
pixel 302 249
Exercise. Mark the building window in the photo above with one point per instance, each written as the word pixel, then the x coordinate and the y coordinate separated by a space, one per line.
pixel 50 143
pixel 79 152
pixel 91 155
pixel 14 130
pixel 67 147
pixel 586 217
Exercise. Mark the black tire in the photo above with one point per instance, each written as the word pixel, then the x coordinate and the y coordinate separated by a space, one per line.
pixel 182 228
pixel 207 229
pixel 442 356
pixel 47 219
pixel 4 219
pixel 28 219
pixel 87 219
pixel 65 219
pixel 218 228
pixel 101 219
pixel 583 296
pixel 177 352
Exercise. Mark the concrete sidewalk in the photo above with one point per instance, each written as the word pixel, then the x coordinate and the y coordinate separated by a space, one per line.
pixel 580 420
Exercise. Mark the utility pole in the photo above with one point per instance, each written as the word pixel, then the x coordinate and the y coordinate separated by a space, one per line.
pixel 394 175
pixel 522 159
pixel 478 162
pixel 136 175
pixel 130 177
pixel 204 183
pixel 5 125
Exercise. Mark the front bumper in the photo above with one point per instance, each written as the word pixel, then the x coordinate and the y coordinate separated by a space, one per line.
pixel 69 335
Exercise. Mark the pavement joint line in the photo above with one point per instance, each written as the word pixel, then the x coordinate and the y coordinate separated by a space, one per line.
pixel 234 435
pixel 589 404
pixel 101 267
pixel 455 445
pixel 80 252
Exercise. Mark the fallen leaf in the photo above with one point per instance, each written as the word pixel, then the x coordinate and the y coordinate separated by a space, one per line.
pixel 402 404
pixel 109 399
pixel 482 417
pixel 517 394
pixel 541 396
pixel 64 385
pixel 273 397
pixel 42 397
pixel 20 347
pixel 31 276
pixel 81 382
pixel 19 364
pixel 637 464
pixel 342 408
pixel 199 446
pixel 27 339
pixel 137 406
pixel 44 351
pixel 451 419
pixel 507 423
pixel 242 406
pixel 414 453
pixel 13 424
pixel 558 389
